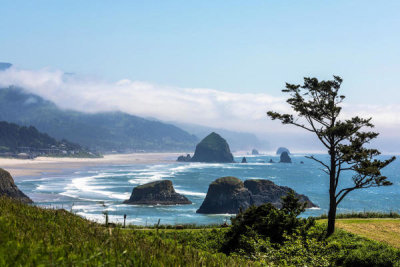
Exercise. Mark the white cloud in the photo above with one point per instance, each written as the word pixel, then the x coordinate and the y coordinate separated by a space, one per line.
pixel 235 111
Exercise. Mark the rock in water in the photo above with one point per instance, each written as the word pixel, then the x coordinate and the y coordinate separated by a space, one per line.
pixel 229 194
pixel 184 159
pixel 158 192
pixel 225 195
pixel 282 149
pixel 8 188
pixel 265 191
pixel 285 157
pixel 254 152
pixel 213 148
pixel 244 160
pixel 271 161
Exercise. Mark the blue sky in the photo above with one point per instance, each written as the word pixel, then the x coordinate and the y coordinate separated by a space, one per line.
pixel 234 46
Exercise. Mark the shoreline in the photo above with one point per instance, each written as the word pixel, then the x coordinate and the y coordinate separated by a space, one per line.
pixel 37 167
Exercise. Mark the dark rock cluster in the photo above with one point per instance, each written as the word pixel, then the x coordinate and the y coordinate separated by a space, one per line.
pixel 230 194
pixel 158 192
pixel 285 158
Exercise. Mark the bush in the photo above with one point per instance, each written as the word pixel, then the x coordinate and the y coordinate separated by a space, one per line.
pixel 266 222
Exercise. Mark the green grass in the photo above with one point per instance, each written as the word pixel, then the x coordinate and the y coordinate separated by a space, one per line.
pixel 32 236
pixel 365 214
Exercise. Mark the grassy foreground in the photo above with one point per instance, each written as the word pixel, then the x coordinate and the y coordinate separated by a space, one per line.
pixel 32 236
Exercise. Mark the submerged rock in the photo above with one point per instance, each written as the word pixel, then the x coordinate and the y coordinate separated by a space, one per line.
pixel 10 189
pixel 184 159
pixel 244 160
pixel 213 148
pixel 158 192
pixel 285 158
pixel 281 150
pixel 254 152
pixel 229 195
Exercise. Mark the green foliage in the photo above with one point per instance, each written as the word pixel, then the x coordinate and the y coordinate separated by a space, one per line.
pixel 31 236
pixel 266 222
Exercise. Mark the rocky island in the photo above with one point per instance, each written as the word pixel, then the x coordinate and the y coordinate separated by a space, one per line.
pixel 285 158
pixel 255 152
pixel 212 149
pixel 229 194
pixel 10 189
pixel 281 150
pixel 156 193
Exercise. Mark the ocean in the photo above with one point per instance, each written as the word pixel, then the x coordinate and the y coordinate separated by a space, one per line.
pixel 93 191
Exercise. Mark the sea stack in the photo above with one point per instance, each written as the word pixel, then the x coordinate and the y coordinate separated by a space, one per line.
pixel 184 159
pixel 156 193
pixel 229 195
pixel 281 150
pixel 244 160
pixel 9 188
pixel 213 149
pixel 254 152
pixel 285 157
pixel 225 195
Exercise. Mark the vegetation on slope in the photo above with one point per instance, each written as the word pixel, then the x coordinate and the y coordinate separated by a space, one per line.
pixel 100 131
pixel 15 139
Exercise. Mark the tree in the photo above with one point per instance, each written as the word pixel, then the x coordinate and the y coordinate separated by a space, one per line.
pixel 317 107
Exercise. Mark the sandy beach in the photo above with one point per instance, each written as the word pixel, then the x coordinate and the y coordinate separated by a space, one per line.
pixel 36 167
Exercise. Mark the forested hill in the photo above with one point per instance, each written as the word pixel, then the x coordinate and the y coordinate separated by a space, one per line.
pixel 16 139
pixel 101 131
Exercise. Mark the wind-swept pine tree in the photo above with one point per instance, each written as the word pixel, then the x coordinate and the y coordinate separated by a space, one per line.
pixel 317 109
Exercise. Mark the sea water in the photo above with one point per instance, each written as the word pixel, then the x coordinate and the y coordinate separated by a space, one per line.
pixel 94 191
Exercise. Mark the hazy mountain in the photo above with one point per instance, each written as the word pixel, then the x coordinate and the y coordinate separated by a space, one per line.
pixel 236 140
pixel 101 131
pixel 4 65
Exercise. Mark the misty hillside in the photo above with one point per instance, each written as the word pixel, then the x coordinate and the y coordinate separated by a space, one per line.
pixel 101 131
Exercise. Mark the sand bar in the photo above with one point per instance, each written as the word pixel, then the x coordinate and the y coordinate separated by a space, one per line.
pixel 36 167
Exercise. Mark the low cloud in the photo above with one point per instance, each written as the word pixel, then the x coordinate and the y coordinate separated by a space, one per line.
pixel 244 112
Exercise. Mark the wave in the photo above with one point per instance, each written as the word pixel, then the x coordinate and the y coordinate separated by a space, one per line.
pixel 190 193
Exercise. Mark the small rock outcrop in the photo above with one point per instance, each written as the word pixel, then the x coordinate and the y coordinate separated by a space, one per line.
pixel 225 195
pixel 229 195
pixel 158 192
pixel 213 149
pixel 184 159
pixel 271 161
pixel 244 160
pixel 282 149
pixel 285 158
pixel 255 152
pixel 10 189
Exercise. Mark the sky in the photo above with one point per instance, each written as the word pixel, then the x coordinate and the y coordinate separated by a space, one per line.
pixel 222 63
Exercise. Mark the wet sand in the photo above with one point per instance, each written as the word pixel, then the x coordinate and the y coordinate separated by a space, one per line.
pixel 36 167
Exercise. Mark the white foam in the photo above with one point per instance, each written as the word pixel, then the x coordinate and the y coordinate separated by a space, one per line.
pixel 190 193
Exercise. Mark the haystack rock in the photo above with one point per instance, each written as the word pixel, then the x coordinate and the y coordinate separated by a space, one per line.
pixel 8 188
pixel 254 152
pixel 229 195
pixel 281 150
pixel 158 192
pixel 213 149
pixel 285 158
pixel 244 160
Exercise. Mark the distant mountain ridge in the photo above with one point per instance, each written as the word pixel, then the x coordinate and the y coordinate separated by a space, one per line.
pixel 104 132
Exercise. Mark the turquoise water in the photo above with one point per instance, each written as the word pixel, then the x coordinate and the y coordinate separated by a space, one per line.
pixel 92 191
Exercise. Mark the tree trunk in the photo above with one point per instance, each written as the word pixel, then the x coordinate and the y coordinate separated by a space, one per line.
pixel 331 217
pixel 332 193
